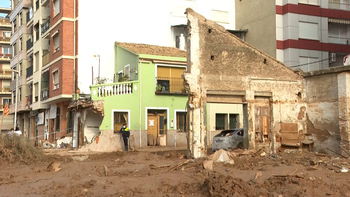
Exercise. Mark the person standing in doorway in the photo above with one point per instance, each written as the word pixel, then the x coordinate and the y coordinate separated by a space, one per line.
pixel 125 133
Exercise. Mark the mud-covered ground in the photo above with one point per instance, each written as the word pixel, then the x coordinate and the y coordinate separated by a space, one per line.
pixel 170 173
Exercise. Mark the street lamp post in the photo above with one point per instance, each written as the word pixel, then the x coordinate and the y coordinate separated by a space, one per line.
pixel 97 55
pixel 15 121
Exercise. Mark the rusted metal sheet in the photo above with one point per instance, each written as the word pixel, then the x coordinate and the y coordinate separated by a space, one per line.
pixel 290 134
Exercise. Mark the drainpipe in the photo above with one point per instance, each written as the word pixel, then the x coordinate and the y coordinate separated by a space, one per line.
pixel 140 116
pixel 74 77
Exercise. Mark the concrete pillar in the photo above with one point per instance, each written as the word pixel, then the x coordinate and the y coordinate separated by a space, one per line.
pixel 344 110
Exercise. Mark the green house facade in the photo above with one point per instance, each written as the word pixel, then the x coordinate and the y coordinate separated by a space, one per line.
pixel 148 95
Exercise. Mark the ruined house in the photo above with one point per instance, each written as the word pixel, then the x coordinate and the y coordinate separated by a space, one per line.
pixel 229 80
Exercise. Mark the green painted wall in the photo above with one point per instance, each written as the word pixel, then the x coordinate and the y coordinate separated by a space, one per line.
pixel 144 86
pixel 124 57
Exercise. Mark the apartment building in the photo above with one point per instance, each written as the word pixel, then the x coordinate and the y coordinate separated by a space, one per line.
pixel 44 60
pixel 46 38
pixel 5 71
pixel 304 34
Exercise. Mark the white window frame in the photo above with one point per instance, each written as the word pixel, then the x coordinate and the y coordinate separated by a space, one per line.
pixel 56 7
pixel 175 116
pixel 311 2
pixel 56 85
pixel 127 70
pixel 56 41
pixel 120 111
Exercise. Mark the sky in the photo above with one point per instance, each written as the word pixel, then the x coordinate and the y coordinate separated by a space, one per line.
pixel 5 4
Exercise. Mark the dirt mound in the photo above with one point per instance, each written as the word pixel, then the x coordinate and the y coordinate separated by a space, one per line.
pixel 18 149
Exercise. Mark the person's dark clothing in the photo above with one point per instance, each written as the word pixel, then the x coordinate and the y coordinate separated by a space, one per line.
pixel 126 134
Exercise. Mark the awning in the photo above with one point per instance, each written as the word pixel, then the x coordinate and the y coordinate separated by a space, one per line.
pixel 341 21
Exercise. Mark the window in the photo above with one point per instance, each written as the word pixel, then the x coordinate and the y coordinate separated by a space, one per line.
pixel 6 50
pixel 55 76
pixel 127 70
pixel 220 121
pixel 309 63
pixel 36 92
pixel 36 61
pixel 20 94
pixel 6 86
pixel 120 118
pixel 20 44
pixel 56 7
pixel 6 34
pixel 20 69
pixel 181 121
pixel 56 41
pixel 6 101
pixel 308 30
pixel 233 121
pixel 14 25
pixel 15 49
pixel 14 97
pixel 169 78
pixel 312 2
pixel 58 115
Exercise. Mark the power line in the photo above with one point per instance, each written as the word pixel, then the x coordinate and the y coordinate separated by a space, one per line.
pixel 310 63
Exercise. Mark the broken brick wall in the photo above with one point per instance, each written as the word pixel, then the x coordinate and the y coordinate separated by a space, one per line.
pixel 323 111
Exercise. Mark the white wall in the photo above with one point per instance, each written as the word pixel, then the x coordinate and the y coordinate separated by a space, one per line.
pixel 138 21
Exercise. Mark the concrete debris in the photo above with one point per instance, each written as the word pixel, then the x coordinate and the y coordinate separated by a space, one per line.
pixel 208 164
pixel 47 145
pixel 54 166
pixel 344 169
pixel 80 158
pixel 263 154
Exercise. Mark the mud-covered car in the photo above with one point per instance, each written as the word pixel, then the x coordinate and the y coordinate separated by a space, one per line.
pixel 228 139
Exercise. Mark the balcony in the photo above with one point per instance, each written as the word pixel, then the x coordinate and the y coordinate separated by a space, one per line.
pixel 170 85
pixel 114 89
pixel 29 43
pixel 5 89
pixel 29 71
pixel 44 94
pixel 6 74
pixel 5 57
pixel 345 5
pixel 45 58
pixel 45 26
pixel 5 40
pixel 338 40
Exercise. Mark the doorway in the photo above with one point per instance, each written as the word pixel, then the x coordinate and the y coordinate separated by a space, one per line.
pixel 156 126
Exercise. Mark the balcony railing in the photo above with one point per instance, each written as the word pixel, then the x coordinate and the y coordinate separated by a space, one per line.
pixel 338 40
pixel 46 58
pixel 5 39
pixel 44 94
pixel 7 74
pixel 45 26
pixel 170 85
pixel 339 6
pixel 5 89
pixel 29 71
pixel 114 89
pixel 6 56
pixel 29 43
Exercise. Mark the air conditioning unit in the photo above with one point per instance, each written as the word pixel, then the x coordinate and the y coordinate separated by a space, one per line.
pixel 333 57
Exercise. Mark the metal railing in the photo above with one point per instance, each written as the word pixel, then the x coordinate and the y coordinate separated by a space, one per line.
pixel 338 40
pixel 5 39
pixel 45 26
pixel 29 43
pixel 44 94
pixel 339 6
pixel 29 71
pixel 5 89
pixel 170 85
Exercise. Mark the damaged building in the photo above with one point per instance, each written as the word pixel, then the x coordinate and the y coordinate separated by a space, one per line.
pixel 229 80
